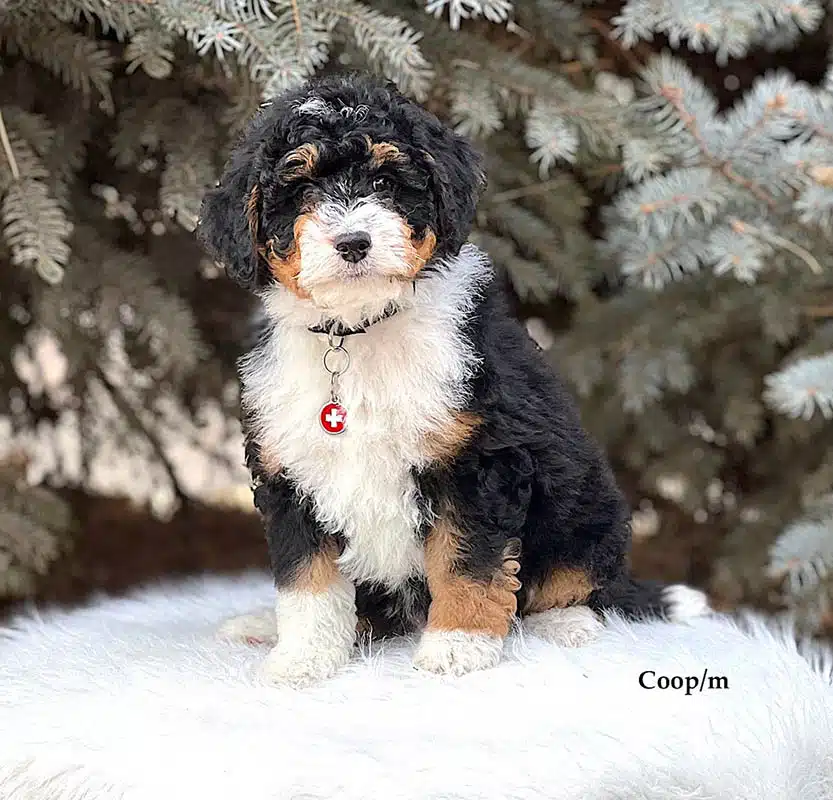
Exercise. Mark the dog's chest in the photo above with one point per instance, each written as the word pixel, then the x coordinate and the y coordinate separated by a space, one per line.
pixel 401 385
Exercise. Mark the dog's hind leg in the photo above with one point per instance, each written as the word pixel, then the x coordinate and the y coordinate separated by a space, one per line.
pixel 568 627
pixel 554 609
pixel 470 613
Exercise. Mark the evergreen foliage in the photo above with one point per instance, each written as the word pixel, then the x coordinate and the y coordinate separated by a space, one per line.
pixel 679 246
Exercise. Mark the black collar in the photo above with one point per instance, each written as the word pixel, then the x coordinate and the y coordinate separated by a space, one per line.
pixel 335 328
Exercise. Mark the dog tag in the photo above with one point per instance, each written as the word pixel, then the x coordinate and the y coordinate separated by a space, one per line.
pixel 333 418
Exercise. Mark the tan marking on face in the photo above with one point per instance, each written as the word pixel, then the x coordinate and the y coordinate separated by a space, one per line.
pixel 287 268
pixel 561 589
pixel 320 572
pixel 461 603
pixel 252 202
pixel 300 162
pixel 417 254
pixel 444 444
pixel 384 152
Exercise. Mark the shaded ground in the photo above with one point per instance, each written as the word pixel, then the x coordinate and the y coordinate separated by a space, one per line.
pixel 118 548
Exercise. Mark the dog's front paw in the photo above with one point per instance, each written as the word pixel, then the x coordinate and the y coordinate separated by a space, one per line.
pixel 303 666
pixel 457 652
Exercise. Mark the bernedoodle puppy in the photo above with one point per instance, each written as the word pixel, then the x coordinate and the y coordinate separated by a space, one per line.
pixel 417 464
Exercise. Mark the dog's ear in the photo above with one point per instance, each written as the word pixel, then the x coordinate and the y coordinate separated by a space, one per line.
pixel 230 217
pixel 458 179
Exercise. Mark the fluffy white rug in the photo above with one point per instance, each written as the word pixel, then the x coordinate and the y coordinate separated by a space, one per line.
pixel 136 699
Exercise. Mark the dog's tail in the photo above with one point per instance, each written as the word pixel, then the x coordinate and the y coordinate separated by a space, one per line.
pixel 649 599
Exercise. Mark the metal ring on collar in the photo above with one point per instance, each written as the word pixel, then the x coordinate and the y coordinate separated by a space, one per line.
pixel 336 349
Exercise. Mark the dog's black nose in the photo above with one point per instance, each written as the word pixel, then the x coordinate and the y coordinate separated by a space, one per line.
pixel 353 247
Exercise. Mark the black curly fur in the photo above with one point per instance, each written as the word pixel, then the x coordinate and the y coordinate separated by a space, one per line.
pixel 531 471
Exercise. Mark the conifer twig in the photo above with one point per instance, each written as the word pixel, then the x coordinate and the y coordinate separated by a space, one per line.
pixel 127 409
pixel 296 18
pixel 674 96
pixel 779 241
pixel 7 149
pixel 522 191
pixel 819 312
pixel 606 32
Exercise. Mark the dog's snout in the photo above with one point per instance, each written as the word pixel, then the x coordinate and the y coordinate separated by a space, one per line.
pixel 353 247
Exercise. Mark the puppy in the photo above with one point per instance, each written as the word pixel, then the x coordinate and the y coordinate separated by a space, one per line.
pixel 417 464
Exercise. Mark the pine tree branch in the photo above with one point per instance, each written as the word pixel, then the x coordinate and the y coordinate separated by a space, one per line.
pixel 817 130
pixel 299 30
pixel 605 30
pixel 80 61
pixel 36 228
pixel 523 191
pixel 518 88
pixel 7 149
pixel 745 183
pixel 674 96
pixel 760 125
pixel 779 241
pixel 150 435
pixel 802 388
pixel 390 44
pixel 819 312
pixel 532 83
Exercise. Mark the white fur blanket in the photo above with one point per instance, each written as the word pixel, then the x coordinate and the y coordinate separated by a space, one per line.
pixel 136 699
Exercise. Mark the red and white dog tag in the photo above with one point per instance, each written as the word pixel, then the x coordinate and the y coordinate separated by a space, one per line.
pixel 333 418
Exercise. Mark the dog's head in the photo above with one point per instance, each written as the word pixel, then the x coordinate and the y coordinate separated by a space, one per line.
pixel 341 191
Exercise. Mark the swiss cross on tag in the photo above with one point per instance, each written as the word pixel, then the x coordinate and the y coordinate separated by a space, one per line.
pixel 333 418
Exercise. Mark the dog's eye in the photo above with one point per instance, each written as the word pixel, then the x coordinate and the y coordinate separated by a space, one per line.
pixel 379 184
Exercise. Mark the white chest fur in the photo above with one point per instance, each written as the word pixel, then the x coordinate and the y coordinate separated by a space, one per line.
pixel 408 374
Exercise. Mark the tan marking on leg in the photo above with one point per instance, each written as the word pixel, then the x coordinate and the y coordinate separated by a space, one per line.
pixel 460 603
pixel 300 162
pixel 444 444
pixel 383 152
pixel 320 572
pixel 562 588
pixel 287 268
